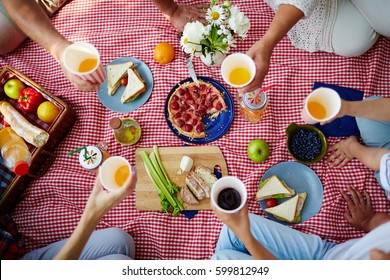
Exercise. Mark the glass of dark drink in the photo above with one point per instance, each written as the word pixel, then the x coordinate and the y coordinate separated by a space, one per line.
pixel 228 194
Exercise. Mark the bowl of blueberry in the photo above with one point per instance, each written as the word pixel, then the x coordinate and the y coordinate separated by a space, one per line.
pixel 305 143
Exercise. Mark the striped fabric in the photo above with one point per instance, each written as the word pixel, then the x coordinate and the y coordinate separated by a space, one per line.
pixel 51 206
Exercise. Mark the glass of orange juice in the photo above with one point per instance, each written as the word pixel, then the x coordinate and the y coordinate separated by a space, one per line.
pixel 321 105
pixel 114 172
pixel 83 60
pixel 238 70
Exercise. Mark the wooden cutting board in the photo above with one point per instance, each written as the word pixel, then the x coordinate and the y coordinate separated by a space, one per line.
pixel 146 196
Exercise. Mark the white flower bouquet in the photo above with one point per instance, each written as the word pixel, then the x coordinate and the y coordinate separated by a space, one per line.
pixel 212 40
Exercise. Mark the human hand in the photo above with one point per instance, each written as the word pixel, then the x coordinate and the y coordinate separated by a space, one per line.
pixel 101 201
pixel 237 222
pixel 57 51
pixel 359 210
pixel 77 82
pixel 341 152
pixel 376 254
pixel 262 57
pixel 187 13
pixel 341 113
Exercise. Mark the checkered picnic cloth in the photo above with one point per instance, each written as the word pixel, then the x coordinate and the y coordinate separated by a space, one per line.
pixel 51 206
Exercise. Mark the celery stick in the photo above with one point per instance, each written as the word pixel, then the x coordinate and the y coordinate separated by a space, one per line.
pixel 157 154
pixel 156 166
pixel 154 177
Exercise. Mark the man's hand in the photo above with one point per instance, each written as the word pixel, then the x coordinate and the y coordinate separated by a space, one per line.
pixel 359 210
pixel 187 13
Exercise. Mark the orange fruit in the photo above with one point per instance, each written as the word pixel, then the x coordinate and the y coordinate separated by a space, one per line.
pixel 164 53
pixel 47 112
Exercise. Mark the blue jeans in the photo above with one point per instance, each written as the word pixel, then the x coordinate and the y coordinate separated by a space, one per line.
pixel 282 241
pixel 286 243
pixel 374 133
pixel 105 244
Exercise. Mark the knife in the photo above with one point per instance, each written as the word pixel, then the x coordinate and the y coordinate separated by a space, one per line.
pixel 191 69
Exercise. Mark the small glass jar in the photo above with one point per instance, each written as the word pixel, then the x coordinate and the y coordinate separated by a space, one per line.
pixel 253 105
pixel 126 131
pixel 93 157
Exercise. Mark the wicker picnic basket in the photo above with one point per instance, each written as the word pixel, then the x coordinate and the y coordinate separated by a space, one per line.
pixel 12 186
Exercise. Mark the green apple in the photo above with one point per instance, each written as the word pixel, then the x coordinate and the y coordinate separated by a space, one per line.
pixel 13 87
pixel 258 150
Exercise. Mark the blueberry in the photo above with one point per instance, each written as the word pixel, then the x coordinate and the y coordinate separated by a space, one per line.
pixel 305 144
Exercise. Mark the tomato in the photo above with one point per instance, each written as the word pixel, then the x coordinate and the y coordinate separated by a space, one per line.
pixel 124 81
pixel 47 112
pixel 272 202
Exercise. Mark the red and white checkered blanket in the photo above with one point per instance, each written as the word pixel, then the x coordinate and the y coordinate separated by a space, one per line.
pixel 51 206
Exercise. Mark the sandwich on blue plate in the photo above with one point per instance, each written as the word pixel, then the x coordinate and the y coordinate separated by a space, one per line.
pixel 273 187
pixel 135 86
pixel 290 210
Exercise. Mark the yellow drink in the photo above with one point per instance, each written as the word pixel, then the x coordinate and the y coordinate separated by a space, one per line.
pixel 87 64
pixel 316 109
pixel 121 175
pixel 239 76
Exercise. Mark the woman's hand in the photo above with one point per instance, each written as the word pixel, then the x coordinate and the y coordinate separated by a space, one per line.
pixel 57 50
pixel 237 222
pixel 187 13
pixel 261 55
pixel 101 201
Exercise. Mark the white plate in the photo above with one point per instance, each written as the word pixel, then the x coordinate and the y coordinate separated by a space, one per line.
pixel 113 102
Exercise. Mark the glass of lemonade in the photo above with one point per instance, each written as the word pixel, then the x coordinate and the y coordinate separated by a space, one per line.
pixel 238 70
pixel 83 60
pixel 321 105
pixel 114 172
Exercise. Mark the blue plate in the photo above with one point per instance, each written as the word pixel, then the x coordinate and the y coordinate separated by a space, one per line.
pixel 113 102
pixel 214 128
pixel 302 179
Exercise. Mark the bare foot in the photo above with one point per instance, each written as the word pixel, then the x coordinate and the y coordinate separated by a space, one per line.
pixel 341 152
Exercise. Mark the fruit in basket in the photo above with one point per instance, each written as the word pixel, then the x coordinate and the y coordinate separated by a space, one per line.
pixel 164 53
pixel 47 112
pixel 258 150
pixel 29 100
pixel 13 87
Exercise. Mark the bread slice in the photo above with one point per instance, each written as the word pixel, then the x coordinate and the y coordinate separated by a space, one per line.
pixel 135 86
pixel 298 212
pixel 285 211
pixel 195 188
pixel 187 196
pixel 206 174
pixel 273 188
pixel 115 72
pixel 201 183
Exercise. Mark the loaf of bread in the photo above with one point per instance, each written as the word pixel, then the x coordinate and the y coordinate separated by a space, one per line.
pixel 30 133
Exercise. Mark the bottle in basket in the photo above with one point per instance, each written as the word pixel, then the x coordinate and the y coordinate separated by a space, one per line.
pixel 253 105
pixel 14 151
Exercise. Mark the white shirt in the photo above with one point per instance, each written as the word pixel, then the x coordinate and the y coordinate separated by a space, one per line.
pixel 359 248
pixel 314 31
